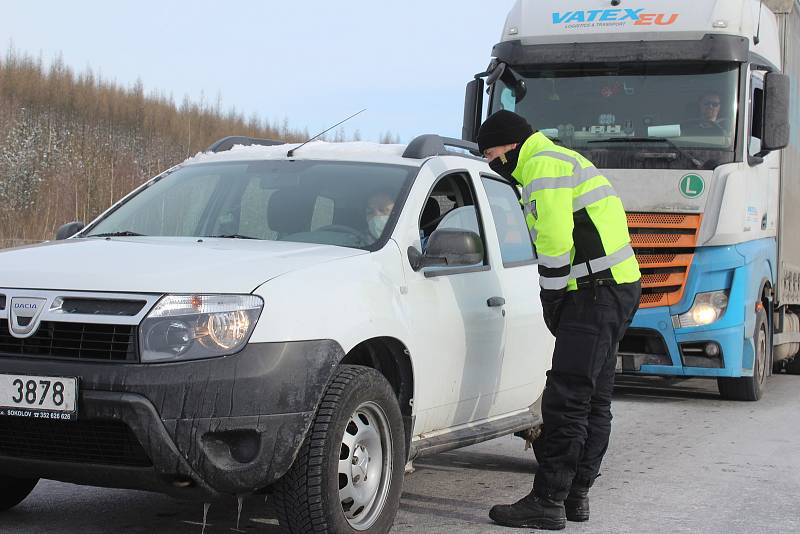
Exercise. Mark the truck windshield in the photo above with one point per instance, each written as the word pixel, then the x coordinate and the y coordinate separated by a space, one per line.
pixel 326 202
pixel 630 115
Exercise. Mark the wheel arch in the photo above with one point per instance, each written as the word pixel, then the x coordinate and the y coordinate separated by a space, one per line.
pixel 390 357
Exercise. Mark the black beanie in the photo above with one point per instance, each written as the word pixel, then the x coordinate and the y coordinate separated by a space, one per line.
pixel 503 128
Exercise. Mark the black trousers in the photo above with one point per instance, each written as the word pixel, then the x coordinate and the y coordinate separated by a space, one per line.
pixel 576 404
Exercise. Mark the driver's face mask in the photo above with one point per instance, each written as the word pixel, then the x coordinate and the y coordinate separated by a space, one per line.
pixel 376 225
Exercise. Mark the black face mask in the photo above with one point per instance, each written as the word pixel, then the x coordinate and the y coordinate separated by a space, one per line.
pixel 505 168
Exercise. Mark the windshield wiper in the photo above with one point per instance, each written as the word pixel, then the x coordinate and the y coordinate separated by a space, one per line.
pixel 697 163
pixel 124 233
pixel 231 236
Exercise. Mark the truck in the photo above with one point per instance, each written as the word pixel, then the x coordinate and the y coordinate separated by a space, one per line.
pixel 692 110
pixel 294 320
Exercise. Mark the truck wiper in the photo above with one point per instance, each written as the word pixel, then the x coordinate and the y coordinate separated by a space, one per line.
pixel 124 233
pixel 231 236
pixel 671 144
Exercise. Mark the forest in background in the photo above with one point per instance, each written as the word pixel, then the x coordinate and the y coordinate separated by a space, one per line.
pixel 72 143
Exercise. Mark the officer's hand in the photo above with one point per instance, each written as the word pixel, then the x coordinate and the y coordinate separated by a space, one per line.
pixel 552 303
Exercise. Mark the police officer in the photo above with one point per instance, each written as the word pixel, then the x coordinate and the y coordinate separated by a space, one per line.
pixel 590 289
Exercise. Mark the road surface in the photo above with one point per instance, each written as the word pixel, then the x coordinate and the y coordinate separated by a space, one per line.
pixel 681 460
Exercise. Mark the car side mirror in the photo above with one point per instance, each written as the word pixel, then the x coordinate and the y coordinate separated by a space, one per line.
pixel 68 230
pixel 449 247
pixel 777 94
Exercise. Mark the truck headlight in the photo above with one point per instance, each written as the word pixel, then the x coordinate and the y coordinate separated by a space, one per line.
pixel 191 327
pixel 707 308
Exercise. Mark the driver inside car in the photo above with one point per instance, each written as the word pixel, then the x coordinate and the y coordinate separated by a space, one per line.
pixel 379 207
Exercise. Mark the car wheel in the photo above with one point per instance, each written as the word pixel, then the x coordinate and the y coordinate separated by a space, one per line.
pixel 349 473
pixel 14 490
pixel 751 388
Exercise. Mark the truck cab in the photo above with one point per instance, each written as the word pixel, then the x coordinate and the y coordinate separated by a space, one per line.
pixel 684 105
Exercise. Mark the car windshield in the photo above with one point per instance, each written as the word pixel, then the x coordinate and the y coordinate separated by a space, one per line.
pixel 630 115
pixel 326 202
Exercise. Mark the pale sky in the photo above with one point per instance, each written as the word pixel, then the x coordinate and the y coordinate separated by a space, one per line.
pixel 310 61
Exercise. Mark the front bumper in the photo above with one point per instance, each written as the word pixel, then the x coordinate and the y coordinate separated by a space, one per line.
pixel 738 269
pixel 658 322
pixel 226 425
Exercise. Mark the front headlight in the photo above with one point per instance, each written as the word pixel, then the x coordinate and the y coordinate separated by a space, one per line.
pixel 707 308
pixel 190 327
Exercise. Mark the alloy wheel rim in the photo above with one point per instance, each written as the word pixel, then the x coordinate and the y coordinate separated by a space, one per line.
pixel 365 465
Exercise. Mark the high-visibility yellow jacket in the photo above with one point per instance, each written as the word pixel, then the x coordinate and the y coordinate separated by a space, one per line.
pixel 575 217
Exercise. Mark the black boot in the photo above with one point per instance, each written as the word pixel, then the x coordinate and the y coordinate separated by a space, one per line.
pixel 576 505
pixel 531 511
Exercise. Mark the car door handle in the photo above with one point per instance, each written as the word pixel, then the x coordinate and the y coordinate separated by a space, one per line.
pixel 495 302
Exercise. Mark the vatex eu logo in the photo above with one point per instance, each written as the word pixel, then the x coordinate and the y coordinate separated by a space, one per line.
pixel 614 17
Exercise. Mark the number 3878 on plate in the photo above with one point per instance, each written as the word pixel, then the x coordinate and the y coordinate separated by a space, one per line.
pixel 39 397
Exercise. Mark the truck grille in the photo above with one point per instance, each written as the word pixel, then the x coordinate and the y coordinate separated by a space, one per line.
pixel 73 341
pixel 664 244
pixel 95 442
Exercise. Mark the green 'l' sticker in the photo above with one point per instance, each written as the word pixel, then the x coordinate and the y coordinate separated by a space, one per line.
pixel 692 186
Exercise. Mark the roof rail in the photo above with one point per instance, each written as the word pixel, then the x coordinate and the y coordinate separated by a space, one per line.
pixel 425 146
pixel 227 143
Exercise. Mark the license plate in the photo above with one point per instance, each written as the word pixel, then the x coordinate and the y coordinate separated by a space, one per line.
pixel 39 397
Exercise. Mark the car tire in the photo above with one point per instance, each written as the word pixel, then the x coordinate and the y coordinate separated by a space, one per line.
pixel 348 475
pixel 751 388
pixel 14 490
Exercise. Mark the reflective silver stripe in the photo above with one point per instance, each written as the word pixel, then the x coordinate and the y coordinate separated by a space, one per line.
pixel 601 264
pixel 593 196
pixel 554 262
pixel 579 271
pixel 579 176
pixel 558 155
pixel 540 184
pixel 585 174
pixel 553 283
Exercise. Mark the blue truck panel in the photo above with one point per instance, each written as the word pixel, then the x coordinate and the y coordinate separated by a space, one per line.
pixel 742 270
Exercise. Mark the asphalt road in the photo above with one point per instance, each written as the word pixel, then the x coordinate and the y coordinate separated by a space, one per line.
pixel 681 460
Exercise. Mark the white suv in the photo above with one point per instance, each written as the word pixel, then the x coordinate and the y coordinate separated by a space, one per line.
pixel 301 322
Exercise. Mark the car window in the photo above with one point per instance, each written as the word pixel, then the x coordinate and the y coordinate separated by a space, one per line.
pixel 323 213
pixel 512 231
pixel 326 202
pixel 463 218
pixel 253 220
pixel 179 211
pixel 451 204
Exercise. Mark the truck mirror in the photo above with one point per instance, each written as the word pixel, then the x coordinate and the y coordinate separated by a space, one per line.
pixel 68 230
pixel 776 112
pixel 473 105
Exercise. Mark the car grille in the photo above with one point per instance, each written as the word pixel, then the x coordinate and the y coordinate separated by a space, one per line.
pixel 664 244
pixel 92 441
pixel 73 341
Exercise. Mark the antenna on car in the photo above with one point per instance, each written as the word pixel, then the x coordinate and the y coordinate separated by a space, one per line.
pixel 757 38
pixel 292 151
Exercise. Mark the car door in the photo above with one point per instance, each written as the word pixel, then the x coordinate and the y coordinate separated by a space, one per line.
pixel 458 337
pixel 529 345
